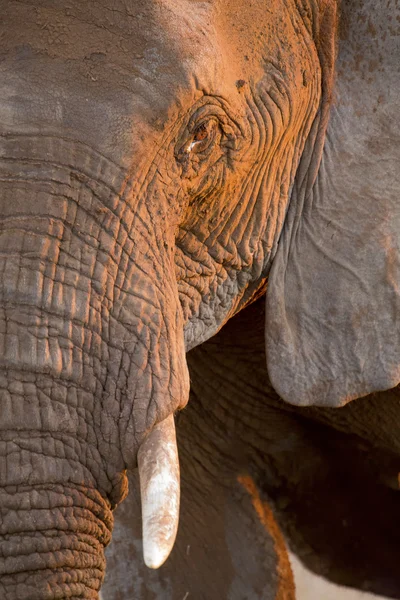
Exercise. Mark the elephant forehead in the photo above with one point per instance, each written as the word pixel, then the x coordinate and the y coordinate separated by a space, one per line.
pixel 119 41
pixel 116 75
pixel 109 75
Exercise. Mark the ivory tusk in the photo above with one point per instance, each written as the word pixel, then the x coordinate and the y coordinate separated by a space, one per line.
pixel 158 464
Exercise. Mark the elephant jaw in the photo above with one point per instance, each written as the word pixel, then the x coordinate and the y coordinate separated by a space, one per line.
pixel 160 492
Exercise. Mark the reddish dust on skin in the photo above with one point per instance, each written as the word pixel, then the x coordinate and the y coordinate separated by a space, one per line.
pixel 266 518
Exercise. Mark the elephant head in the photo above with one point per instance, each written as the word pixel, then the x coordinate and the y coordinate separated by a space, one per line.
pixel 157 159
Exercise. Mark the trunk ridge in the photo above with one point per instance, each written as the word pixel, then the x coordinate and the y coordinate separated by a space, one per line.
pixel 52 541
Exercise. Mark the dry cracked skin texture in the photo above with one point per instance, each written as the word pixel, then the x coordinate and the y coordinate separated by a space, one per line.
pixel 159 162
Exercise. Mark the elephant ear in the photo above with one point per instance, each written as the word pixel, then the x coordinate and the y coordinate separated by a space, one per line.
pixel 333 298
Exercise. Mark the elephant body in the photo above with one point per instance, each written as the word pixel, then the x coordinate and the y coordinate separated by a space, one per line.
pixel 198 198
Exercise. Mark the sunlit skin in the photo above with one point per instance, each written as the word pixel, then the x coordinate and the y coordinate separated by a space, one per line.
pixel 164 163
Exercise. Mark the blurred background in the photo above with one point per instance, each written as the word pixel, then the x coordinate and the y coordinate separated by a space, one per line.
pixel 311 587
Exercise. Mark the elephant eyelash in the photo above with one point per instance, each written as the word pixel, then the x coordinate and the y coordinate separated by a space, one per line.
pixel 200 133
pixel 203 136
pixel 205 132
pixel 200 140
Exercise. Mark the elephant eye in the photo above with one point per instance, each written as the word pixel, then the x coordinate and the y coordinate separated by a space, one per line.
pixel 200 134
pixel 203 136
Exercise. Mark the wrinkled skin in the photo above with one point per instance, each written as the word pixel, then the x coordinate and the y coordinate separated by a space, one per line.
pixel 330 476
pixel 160 161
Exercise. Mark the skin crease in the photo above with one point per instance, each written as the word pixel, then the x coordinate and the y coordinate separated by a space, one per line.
pixel 149 153
pixel 331 477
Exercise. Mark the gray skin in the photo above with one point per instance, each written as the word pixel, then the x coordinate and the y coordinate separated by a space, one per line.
pixel 330 476
pixel 160 161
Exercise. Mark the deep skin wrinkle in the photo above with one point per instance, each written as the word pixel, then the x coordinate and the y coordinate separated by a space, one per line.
pixel 143 190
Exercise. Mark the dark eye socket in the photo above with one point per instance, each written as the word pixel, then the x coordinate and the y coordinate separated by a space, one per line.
pixel 200 140
pixel 201 133
pixel 203 136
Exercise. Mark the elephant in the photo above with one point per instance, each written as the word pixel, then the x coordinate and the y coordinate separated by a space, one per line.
pixel 312 476
pixel 199 233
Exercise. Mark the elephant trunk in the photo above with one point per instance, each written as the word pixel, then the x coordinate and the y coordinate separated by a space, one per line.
pixel 88 290
pixel 91 360
pixel 92 355
pixel 52 529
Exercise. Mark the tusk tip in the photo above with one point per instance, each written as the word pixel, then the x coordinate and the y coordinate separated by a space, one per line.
pixel 160 492
pixel 154 556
